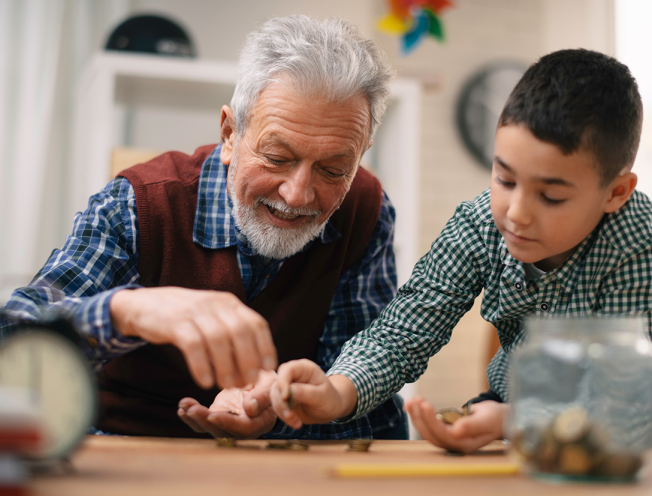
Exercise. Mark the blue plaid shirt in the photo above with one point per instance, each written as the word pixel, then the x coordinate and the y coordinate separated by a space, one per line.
pixel 100 257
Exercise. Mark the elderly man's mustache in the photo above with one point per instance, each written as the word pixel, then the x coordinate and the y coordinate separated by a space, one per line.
pixel 283 211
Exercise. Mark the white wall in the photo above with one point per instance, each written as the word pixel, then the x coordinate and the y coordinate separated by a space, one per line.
pixel 578 24
pixel 633 42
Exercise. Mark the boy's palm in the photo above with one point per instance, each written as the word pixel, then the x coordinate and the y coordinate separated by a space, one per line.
pixel 485 424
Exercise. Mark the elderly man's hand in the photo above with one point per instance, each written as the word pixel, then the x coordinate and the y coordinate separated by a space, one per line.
pixel 484 425
pixel 223 341
pixel 245 413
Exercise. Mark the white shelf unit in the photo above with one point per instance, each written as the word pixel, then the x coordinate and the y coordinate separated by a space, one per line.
pixel 394 155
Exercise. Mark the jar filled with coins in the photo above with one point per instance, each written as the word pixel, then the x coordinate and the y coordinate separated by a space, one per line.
pixel 581 391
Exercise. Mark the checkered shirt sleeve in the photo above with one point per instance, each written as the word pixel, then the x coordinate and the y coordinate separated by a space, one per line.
pixel 610 273
pixel 395 349
pixel 99 258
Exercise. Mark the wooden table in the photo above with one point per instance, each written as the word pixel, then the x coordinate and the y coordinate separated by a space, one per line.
pixel 122 466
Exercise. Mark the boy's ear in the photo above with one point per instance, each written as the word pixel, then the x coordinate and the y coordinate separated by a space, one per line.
pixel 620 190
pixel 228 134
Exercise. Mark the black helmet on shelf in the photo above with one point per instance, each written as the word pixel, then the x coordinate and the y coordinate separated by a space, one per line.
pixel 151 34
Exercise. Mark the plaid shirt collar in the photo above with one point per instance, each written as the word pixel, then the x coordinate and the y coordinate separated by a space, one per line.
pixel 618 230
pixel 214 226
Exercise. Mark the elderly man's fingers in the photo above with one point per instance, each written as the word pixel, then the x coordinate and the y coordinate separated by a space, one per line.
pixel 257 400
pixel 254 347
pixel 246 356
pixel 187 402
pixel 200 415
pixel 219 348
pixel 238 326
pixel 262 337
pixel 190 422
pixel 193 347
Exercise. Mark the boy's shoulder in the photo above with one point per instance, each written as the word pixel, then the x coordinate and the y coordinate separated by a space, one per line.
pixel 629 229
pixel 478 210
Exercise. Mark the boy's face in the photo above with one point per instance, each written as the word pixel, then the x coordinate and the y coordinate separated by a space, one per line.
pixel 543 202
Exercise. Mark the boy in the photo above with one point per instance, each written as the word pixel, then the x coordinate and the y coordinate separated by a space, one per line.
pixel 561 231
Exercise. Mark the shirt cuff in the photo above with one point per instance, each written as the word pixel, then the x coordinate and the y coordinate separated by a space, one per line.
pixel 363 381
pixel 100 340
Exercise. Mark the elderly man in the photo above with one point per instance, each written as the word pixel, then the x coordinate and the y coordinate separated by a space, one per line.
pixel 192 273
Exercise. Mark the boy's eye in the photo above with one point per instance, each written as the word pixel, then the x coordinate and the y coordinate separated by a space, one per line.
pixel 503 182
pixel 552 201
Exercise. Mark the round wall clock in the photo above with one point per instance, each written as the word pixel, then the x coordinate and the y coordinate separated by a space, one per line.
pixel 480 104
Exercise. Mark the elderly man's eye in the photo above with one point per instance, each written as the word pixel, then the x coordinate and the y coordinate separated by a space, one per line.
pixel 334 173
pixel 276 160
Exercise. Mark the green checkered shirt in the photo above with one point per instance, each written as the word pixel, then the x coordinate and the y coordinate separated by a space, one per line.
pixel 609 273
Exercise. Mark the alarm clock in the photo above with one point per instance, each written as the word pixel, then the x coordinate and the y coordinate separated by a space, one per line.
pixel 44 360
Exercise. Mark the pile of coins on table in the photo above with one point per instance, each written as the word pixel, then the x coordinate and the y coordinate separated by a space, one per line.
pixel 359 444
pixel 292 445
pixel 573 445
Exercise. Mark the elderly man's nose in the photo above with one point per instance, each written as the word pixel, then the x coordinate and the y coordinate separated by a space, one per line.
pixel 297 189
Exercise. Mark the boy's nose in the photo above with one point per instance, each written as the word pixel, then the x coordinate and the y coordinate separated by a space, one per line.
pixel 519 211
pixel 297 189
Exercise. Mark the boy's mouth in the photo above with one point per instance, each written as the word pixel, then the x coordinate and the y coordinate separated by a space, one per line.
pixel 516 238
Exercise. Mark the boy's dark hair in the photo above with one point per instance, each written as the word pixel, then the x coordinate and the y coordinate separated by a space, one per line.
pixel 581 99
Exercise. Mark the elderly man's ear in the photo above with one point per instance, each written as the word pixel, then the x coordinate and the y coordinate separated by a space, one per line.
pixel 227 134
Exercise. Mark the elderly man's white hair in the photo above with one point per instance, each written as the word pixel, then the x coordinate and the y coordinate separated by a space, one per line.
pixel 327 57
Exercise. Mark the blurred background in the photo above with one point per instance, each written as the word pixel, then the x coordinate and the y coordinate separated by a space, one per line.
pixel 70 112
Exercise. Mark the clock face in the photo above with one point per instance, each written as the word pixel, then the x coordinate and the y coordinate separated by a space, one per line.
pixel 60 383
pixel 480 105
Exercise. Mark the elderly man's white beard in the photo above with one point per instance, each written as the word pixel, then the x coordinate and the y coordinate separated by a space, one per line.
pixel 267 239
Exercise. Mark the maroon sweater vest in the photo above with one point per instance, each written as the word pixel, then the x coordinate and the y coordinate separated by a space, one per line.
pixel 140 391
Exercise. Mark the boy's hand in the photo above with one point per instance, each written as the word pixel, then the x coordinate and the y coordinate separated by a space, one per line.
pixel 241 413
pixel 316 399
pixel 485 424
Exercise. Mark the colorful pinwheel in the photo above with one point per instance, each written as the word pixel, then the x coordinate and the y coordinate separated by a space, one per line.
pixel 413 20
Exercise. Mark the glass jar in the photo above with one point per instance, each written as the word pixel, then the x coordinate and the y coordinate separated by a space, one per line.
pixel 581 390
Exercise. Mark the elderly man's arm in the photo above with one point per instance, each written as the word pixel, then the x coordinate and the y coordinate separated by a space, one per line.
pixel 99 258
pixel 221 339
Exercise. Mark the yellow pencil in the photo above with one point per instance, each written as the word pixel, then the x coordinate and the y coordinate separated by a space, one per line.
pixel 359 470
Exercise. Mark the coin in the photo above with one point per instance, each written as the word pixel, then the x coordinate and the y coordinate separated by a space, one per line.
pixel 449 415
pixel 297 446
pixel 290 400
pixel 571 425
pixel 227 442
pixel 619 465
pixel 359 444
pixel 292 445
pixel 574 460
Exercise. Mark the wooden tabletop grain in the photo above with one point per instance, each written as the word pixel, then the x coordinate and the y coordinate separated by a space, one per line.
pixel 126 466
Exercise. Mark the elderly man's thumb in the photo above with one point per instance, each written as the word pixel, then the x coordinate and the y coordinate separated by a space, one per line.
pixel 256 401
